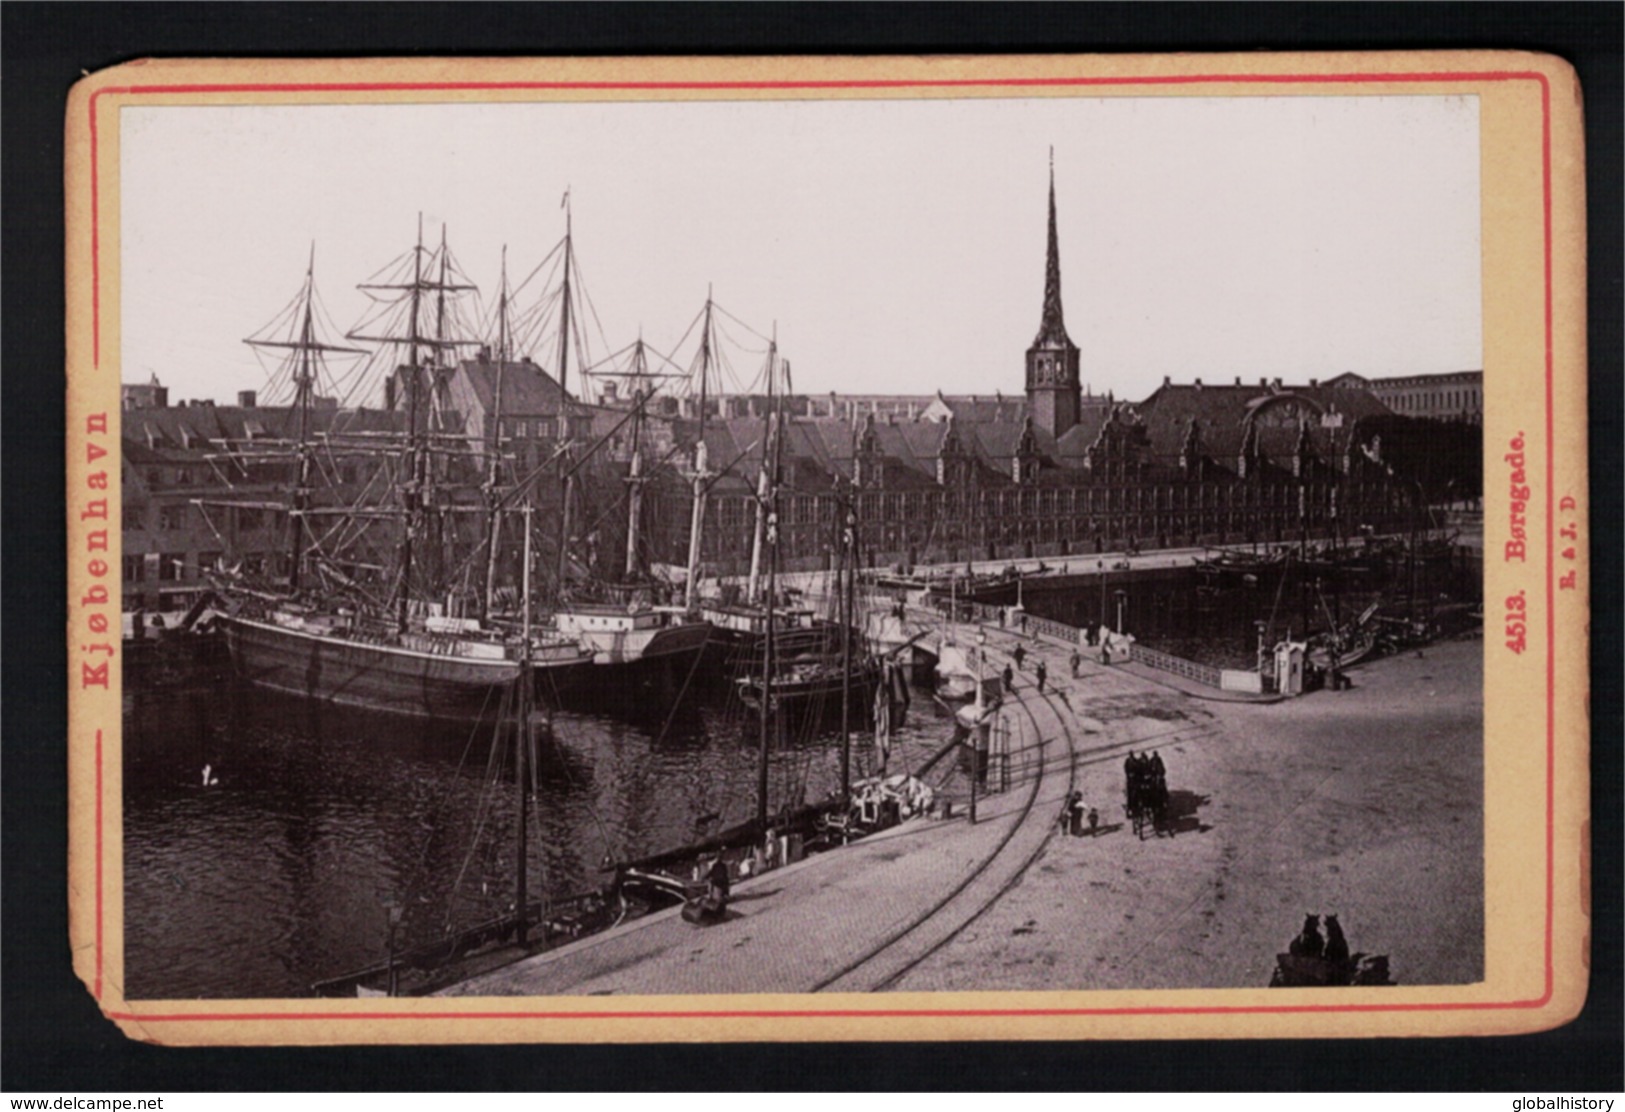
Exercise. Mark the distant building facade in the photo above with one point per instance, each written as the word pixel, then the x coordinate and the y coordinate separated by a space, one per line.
pixel 1453 396
pixel 143 395
pixel 206 486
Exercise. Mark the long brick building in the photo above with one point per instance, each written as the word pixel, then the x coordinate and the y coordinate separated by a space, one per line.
pixel 1058 471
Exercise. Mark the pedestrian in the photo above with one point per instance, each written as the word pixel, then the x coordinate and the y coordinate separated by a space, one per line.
pixel 1075 660
pixel 1009 680
pixel 717 881
pixel 1105 652
pixel 1042 673
pixel 1019 655
pixel 1094 822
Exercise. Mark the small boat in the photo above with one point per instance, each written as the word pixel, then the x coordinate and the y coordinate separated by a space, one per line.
pixel 813 680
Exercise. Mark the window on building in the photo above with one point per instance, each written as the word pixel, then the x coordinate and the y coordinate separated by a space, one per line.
pixel 170 565
pixel 172 518
pixel 206 561
pixel 250 519
pixel 133 566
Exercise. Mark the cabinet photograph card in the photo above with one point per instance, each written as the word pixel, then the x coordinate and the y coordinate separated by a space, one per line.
pixel 593 550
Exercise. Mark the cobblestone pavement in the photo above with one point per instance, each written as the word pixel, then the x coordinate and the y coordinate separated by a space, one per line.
pixel 1367 804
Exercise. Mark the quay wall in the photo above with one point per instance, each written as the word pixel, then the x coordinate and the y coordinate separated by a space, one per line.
pixel 1060 633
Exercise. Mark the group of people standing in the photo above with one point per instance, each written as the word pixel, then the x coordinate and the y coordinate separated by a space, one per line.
pixel 1147 782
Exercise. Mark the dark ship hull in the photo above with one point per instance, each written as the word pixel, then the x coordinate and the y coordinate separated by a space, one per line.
pixel 383 677
pixel 661 668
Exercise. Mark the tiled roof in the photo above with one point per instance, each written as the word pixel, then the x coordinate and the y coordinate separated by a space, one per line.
pixel 179 431
pixel 527 390
pixel 1222 414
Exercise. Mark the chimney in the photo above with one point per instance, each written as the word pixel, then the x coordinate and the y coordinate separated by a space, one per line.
pixel 1263 384
pixel 1198 384
pixel 1314 382
pixel 1167 380
pixel 485 353
pixel 245 399
pixel 1238 380
pixel 1277 384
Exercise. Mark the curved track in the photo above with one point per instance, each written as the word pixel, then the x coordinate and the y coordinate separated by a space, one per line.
pixel 884 964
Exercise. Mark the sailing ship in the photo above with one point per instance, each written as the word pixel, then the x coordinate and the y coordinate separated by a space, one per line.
pixel 335 640
pixel 636 643
pixel 636 887
pixel 530 924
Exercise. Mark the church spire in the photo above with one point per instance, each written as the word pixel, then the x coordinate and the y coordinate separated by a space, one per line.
pixel 1052 330
pixel 1053 397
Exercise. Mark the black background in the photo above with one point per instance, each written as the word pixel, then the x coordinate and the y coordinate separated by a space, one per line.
pixel 54 1040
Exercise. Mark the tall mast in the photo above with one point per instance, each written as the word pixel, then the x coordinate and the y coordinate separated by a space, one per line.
pixel 564 398
pixel 634 478
pixel 522 741
pixel 701 476
pixel 413 495
pixel 493 473
pixel 435 520
pixel 308 348
pixel 411 491
pixel 705 360
pixel 564 303
pixel 302 392
pixel 772 538
pixel 762 484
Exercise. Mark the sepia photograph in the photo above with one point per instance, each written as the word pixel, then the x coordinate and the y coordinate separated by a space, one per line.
pixel 825 549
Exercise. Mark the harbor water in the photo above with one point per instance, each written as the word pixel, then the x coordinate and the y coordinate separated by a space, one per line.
pixel 320 826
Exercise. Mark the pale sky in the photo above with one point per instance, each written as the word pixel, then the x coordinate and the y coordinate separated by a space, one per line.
pixel 897 245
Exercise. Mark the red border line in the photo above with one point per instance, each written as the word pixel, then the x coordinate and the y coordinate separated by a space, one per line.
pixel 1551 570
pixel 830 1013
pixel 97 990
pixel 969 83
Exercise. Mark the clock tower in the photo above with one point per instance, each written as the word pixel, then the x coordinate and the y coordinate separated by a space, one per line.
pixel 1053 398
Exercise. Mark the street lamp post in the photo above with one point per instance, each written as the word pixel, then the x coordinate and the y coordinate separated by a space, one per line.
pixel 1122 596
pixel 1100 573
pixel 976 726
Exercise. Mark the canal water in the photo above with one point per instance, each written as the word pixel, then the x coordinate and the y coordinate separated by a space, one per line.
pixel 318 822
pixel 1220 618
